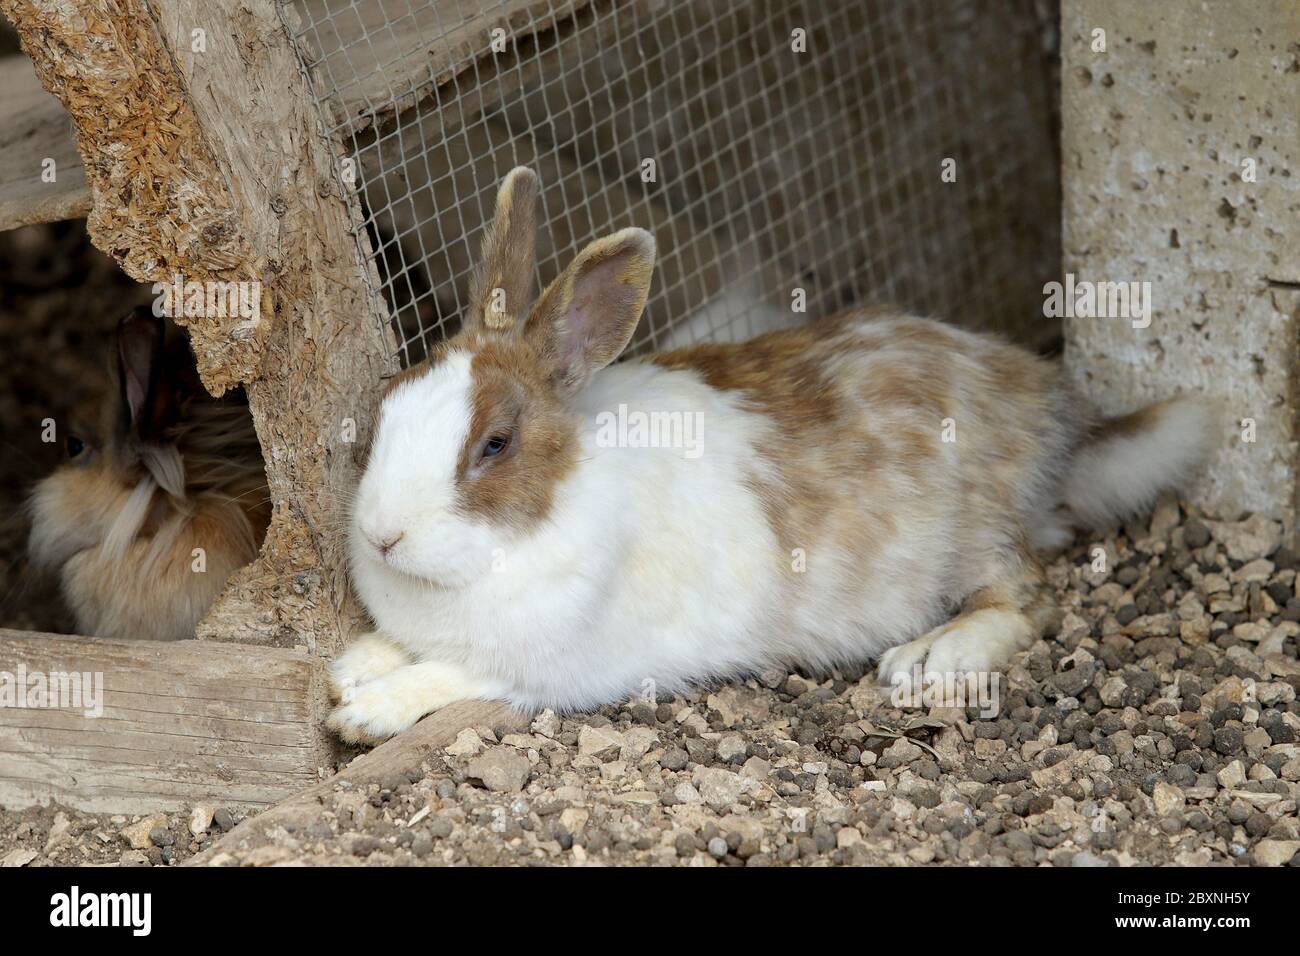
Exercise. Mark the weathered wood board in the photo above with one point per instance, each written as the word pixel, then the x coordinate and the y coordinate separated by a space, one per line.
pixel 382 57
pixel 180 723
pixel 34 127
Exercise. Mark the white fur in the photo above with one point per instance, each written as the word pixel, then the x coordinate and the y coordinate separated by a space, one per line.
pixel 737 314
pixel 367 657
pixel 390 703
pixel 409 486
pixel 1118 477
pixel 589 607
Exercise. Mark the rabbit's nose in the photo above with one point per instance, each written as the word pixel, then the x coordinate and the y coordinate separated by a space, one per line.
pixel 385 543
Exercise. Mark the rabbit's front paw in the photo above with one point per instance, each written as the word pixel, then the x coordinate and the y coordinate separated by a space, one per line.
pixel 367 657
pixel 372 713
pixel 387 705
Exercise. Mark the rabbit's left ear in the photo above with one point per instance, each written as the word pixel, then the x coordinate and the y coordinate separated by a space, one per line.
pixel 586 317
pixel 148 394
pixel 504 283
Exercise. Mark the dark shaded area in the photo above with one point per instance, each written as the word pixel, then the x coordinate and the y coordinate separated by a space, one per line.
pixel 59 300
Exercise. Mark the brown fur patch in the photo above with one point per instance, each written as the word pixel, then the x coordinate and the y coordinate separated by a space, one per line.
pixel 504 281
pixel 1126 426
pixel 857 449
pixel 820 445
pixel 512 395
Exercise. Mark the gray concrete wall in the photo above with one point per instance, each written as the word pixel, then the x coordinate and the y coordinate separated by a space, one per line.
pixel 1154 134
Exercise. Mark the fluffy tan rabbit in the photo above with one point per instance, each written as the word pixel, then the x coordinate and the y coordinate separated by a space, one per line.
pixel 158 502
pixel 872 486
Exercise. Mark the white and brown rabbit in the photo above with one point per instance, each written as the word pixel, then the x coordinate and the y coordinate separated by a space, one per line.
pixel 159 502
pixel 870 486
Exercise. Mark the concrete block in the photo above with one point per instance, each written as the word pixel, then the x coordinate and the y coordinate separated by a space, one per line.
pixel 1160 132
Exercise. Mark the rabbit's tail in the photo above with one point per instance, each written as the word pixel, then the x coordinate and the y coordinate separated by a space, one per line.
pixel 1125 463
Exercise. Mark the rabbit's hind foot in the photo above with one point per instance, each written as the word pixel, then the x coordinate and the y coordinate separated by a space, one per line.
pixel 995 622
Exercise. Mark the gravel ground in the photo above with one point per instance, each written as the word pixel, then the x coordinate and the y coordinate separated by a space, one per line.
pixel 57 836
pixel 1157 726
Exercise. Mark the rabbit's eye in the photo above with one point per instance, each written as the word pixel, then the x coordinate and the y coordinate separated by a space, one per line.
pixel 496 445
pixel 74 446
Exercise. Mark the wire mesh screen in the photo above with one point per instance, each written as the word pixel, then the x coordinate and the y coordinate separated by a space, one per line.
pixel 791 158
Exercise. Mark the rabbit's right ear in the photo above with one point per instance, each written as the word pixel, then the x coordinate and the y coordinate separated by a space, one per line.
pixel 503 285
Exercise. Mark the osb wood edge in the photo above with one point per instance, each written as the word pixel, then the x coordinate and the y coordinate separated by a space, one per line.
pixel 402 753
pixel 330 342
pixel 162 203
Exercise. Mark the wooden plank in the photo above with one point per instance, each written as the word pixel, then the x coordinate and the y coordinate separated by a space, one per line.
pixel 398 755
pixel 376 58
pixel 34 127
pixel 175 724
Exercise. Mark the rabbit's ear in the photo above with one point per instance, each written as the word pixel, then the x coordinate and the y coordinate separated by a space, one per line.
pixel 504 283
pixel 586 317
pixel 149 397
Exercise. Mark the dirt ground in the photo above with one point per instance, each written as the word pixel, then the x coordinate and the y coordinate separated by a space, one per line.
pixel 1158 725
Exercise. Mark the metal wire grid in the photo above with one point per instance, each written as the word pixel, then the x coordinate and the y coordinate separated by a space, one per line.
pixel 776 170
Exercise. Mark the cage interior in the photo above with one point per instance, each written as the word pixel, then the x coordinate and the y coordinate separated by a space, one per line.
pixel 791 158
